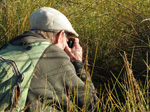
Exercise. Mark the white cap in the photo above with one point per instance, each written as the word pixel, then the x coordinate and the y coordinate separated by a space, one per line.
pixel 49 19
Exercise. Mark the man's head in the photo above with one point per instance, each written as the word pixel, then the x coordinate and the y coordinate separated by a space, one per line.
pixel 53 25
pixel 49 19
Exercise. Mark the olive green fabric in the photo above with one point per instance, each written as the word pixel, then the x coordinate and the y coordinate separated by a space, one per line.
pixel 57 84
pixel 26 60
pixel 58 81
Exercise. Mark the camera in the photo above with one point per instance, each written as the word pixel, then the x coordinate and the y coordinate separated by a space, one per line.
pixel 70 42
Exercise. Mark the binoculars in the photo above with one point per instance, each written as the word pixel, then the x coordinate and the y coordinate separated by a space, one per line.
pixel 70 42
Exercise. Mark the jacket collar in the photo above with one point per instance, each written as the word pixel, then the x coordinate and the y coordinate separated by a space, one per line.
pixel 27 37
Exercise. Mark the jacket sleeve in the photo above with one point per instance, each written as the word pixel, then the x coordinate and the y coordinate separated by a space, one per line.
pixel 83 87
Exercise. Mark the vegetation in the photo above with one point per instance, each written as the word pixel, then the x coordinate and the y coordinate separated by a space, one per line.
pixel 115 38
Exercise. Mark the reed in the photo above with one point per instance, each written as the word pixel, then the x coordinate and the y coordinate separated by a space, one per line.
pixel 108 30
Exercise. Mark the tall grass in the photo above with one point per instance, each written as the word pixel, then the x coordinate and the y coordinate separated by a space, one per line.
pixel 107 28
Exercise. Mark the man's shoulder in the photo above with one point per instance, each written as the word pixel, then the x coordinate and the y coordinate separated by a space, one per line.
pixel 56 51
pixel 27 37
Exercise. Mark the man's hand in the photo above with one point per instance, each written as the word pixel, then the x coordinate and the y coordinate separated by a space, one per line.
pixel 75 53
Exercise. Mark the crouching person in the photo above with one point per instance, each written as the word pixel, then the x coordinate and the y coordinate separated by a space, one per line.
pixel 59 81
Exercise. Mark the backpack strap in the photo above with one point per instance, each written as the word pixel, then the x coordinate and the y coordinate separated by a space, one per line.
pixel 19 79
pixel 16 71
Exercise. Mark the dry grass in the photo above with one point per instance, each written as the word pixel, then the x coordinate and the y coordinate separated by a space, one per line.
pixel 107 28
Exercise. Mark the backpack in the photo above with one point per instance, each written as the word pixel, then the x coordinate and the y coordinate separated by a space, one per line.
pixel 17 65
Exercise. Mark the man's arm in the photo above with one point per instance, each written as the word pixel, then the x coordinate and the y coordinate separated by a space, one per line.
pixel 75 55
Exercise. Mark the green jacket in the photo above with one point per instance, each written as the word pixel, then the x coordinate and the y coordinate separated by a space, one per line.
pixel 57 84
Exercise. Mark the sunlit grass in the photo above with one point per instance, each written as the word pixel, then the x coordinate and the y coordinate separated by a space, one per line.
pixel 106 29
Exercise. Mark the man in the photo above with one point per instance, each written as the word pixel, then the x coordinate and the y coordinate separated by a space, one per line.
pixel 58 82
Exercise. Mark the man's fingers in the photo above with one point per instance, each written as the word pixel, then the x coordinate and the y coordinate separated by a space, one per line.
pixel 76 41
pixel 74 53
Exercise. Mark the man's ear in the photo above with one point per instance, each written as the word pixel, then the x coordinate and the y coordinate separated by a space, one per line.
pixel 59 37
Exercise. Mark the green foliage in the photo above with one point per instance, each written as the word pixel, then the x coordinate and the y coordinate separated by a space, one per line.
pixel 14 17
pixel 106 29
